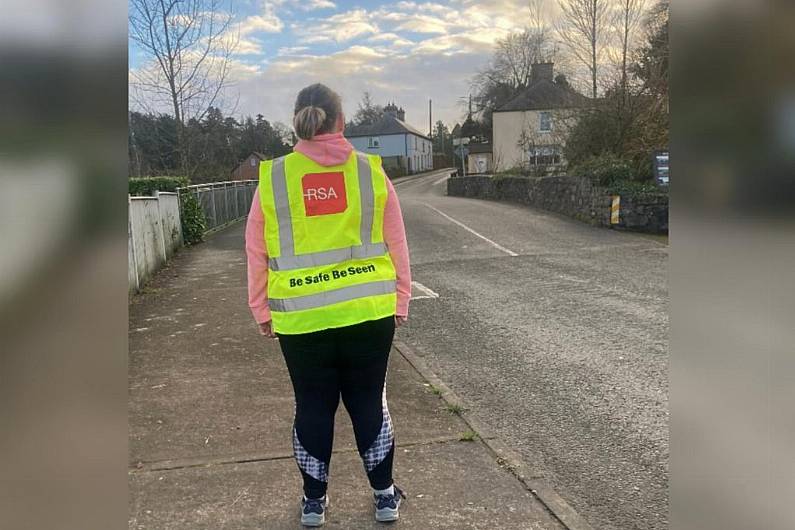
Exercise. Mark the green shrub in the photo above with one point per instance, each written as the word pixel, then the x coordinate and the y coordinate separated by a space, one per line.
pixel 633 188
pixel 149 185
pixel 191 214
pixel 604 170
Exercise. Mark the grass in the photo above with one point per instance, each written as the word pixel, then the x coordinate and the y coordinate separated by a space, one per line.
pixel 436 391
pixel 454 408
pixel 468 436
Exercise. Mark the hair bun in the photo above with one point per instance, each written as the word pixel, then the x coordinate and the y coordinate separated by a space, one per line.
pixel 308 121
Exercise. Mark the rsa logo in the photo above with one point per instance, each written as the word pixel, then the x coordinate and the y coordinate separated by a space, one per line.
pixel 324 193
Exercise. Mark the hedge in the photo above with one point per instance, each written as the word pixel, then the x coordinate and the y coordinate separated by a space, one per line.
pixel 148 186
pixel 604 170
pixel 191 214
pixel 194 223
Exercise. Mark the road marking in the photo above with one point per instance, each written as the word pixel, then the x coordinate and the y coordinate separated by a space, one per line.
pixel 427 293
pixel 443 179
pixel 465 227
pixel 412 178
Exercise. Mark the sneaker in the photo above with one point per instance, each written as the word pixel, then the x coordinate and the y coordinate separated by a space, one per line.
pixel 387 506
pixel 313 511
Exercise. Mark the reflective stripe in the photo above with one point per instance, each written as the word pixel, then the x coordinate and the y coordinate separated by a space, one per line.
pixel 367 195
pixel 282 203
pixel 332 297
pixel 328 257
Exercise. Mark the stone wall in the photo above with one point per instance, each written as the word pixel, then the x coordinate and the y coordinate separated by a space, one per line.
pixel 572 196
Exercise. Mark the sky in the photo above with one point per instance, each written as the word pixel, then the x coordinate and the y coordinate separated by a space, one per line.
pixel 407 52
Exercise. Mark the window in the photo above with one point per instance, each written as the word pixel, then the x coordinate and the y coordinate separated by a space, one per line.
pixel 544 155
pixel 253 162
pixel 545 121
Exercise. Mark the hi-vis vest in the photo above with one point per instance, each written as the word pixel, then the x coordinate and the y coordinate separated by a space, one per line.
pixel 328 266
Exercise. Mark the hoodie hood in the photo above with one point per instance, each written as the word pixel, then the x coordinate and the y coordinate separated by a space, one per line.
pixel 326 149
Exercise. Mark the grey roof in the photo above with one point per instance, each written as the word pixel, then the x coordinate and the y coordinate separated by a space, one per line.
pixel 545 94
pixel 388 124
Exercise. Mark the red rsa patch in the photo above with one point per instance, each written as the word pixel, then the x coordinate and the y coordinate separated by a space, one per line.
pixel 324 193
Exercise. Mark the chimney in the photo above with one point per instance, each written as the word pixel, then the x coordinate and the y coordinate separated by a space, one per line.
pixel 391 110
pixel 541 71
pixel 401 114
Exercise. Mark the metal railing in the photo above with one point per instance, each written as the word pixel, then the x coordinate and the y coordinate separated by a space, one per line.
pixel 223 202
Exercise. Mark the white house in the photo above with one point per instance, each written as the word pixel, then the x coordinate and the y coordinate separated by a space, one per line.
pixel 530 129
pixel 399 144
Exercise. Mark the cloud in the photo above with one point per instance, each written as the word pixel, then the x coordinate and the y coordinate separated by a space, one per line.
pixel 392 39
pixel 422 24
pixel 369 49
pixel 341 27
pixel 408 79
pixel 312 5
pixel 268 22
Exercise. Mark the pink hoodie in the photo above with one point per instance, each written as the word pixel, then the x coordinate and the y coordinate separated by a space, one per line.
pixel 326 150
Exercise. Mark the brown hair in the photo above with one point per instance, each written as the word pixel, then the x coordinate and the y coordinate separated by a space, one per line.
pixel 317 108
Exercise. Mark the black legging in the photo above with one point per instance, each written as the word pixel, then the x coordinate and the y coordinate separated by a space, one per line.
pixel 350 362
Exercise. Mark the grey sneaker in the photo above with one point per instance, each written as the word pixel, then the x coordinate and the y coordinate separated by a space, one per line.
pixel 313 511
pixel 387 506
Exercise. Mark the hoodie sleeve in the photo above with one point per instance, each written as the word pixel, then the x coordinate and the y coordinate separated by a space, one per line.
pixel 395 239
pixel 257 257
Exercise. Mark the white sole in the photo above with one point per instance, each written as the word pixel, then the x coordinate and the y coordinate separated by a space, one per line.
pixel 387 517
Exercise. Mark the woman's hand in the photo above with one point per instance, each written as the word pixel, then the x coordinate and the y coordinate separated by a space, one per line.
pixel 399 320
pixel 266 329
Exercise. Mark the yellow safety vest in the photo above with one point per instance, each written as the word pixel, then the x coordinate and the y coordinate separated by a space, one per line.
pixel 328 266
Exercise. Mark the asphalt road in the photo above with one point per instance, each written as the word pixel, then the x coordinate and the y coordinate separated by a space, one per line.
pixel 555 333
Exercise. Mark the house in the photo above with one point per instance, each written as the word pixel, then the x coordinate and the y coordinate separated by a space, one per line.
pixel 530 129
pixel 248 168
pixel 479 158
pixel 400 145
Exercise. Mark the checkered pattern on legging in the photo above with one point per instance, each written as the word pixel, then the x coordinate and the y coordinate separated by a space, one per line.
pixel 308 463
pixel 383 442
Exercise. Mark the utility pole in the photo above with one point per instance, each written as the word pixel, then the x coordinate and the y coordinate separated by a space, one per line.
pixel 430 118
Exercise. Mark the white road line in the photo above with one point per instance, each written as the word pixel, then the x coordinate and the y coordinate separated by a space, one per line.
pixel 427 293
pixel 465 227
pixel 443 179
pixel 409 179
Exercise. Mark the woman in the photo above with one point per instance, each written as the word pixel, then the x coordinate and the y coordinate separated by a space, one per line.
pixel 328 274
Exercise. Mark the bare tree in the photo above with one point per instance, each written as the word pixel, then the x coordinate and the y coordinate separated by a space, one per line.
pixel 629 14
pixel 188 46
pixel 510 68
pixel 583 28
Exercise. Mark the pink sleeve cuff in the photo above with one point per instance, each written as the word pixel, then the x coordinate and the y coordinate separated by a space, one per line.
pixel 261 314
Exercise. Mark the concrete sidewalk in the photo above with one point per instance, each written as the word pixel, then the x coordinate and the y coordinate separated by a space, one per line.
pixel 210 416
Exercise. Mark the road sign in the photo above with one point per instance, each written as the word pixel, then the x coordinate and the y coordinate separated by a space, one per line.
pixel 660 164
pixel 459 141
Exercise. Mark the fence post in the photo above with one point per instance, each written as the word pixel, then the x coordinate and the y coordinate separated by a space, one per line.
pixel 237 200
pixel 215 214
pixel 226 202
pixel 162 228
pixel 132 242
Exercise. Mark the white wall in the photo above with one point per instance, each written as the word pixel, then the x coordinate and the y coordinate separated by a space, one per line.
pixel 508 128
pixel 154 233
pixel 390 145
pixel 402 145
pixel 421 153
